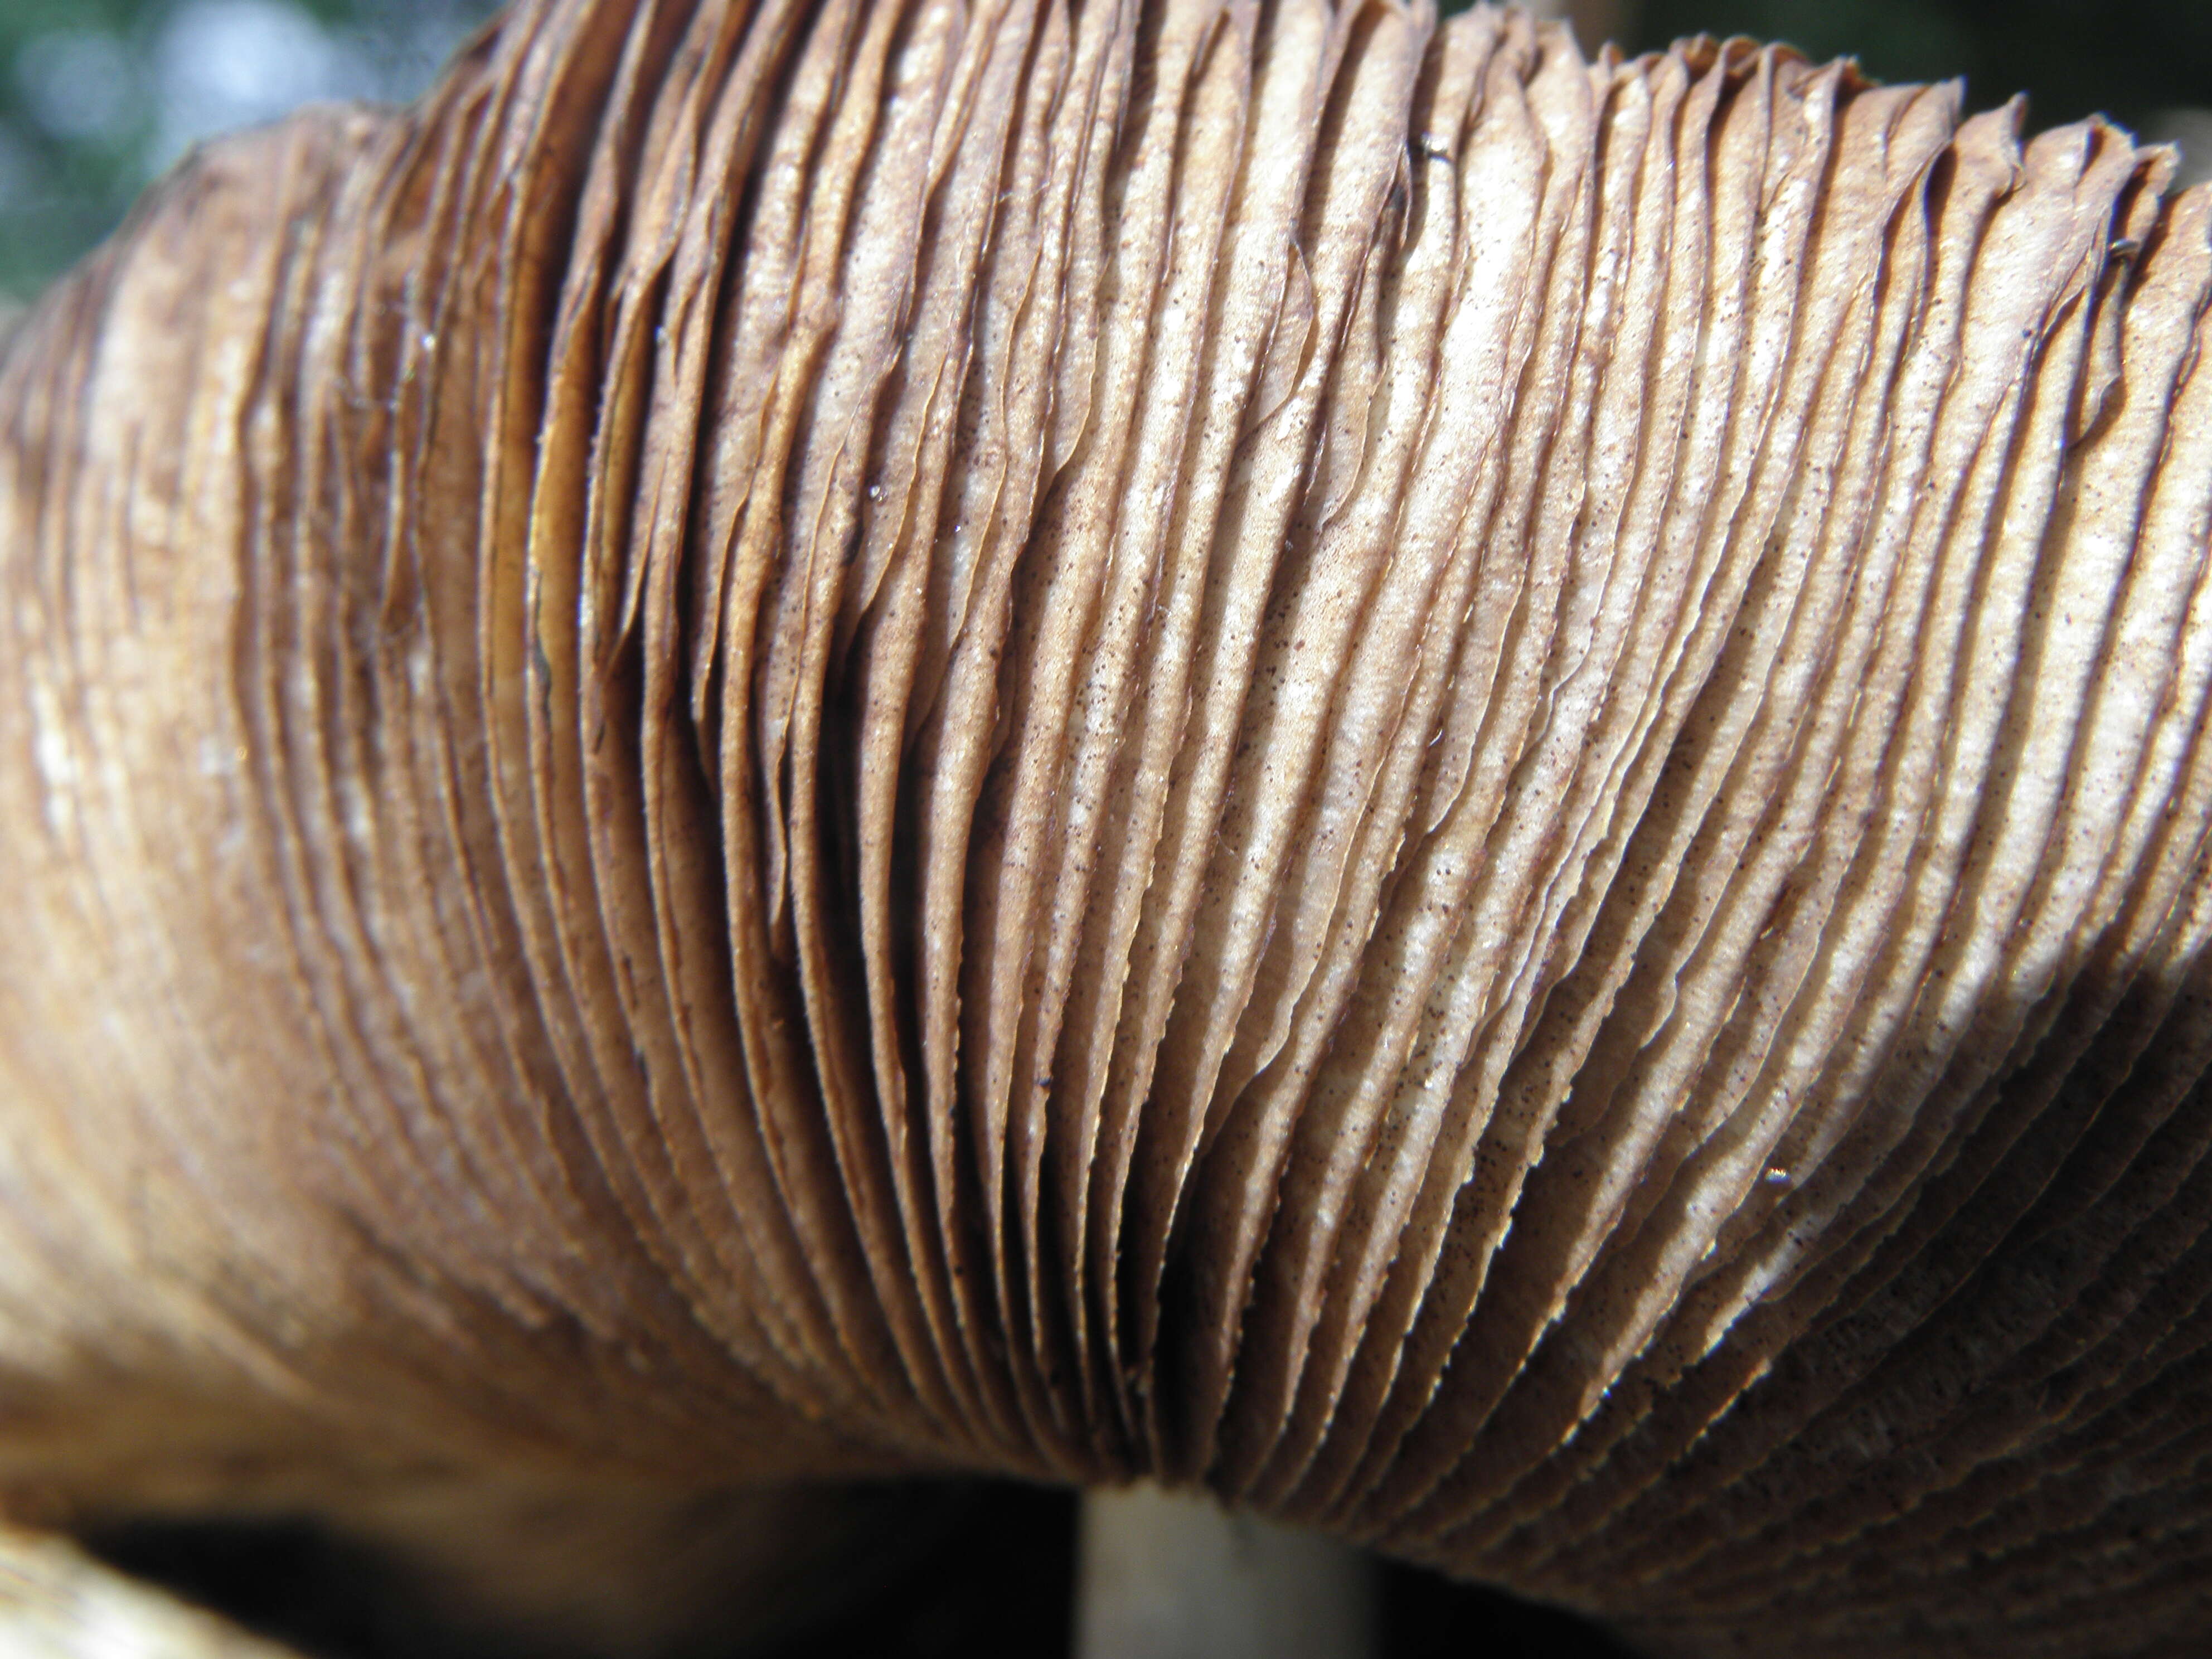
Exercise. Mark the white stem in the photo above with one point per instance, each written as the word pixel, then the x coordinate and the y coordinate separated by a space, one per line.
pixel 57 1602
pixel 1174 1575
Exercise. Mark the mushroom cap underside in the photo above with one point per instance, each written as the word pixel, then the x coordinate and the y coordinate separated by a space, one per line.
pixel 1455 786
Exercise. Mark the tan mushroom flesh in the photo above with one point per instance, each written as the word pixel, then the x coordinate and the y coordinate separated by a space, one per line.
pixel 1460 788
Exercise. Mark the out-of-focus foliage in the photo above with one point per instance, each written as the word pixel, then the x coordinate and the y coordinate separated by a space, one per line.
pixel 2131 59
pixel 97 96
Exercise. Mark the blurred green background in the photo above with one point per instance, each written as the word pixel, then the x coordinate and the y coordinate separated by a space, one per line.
pixel 98 96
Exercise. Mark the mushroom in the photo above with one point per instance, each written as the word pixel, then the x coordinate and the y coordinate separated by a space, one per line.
pixel 1453 789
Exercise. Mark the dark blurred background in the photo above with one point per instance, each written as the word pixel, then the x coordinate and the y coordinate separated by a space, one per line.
pixel 98 96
